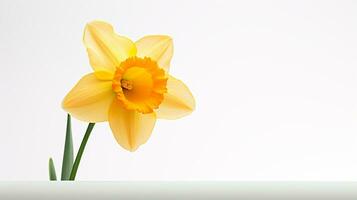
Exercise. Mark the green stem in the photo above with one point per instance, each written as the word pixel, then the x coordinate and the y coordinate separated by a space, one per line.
pixel 80 151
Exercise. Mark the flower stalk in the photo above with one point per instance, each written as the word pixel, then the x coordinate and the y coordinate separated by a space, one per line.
pixel 80 151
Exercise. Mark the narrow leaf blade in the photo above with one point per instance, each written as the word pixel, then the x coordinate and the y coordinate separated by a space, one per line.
pixel 52 170
pixel 67 162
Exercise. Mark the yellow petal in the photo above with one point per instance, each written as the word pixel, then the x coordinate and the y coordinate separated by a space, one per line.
pixel 157 47
pixel 90 99
pixel 104 75
pixel 105 48
pixel 130 128
pixel 178 101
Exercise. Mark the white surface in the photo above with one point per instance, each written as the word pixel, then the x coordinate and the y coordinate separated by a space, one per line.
pixel 178 190
pixel 275 85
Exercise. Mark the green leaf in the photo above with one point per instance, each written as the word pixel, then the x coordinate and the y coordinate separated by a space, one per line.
pixel 67 162
pixel 52 170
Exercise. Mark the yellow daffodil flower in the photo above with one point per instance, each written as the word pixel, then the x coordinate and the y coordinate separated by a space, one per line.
pixel 130 86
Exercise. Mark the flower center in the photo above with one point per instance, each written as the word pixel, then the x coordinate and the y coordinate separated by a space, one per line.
pixel 126 84
pixel 140 84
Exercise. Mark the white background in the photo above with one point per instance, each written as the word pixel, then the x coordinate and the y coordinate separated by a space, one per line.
pixel 274 81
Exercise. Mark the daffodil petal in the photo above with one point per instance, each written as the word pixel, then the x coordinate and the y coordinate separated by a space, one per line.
pixel 90 99
pixel 130 128
pixel 178 101
pixel 104 75
pixel 158 47
pixel 105 48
